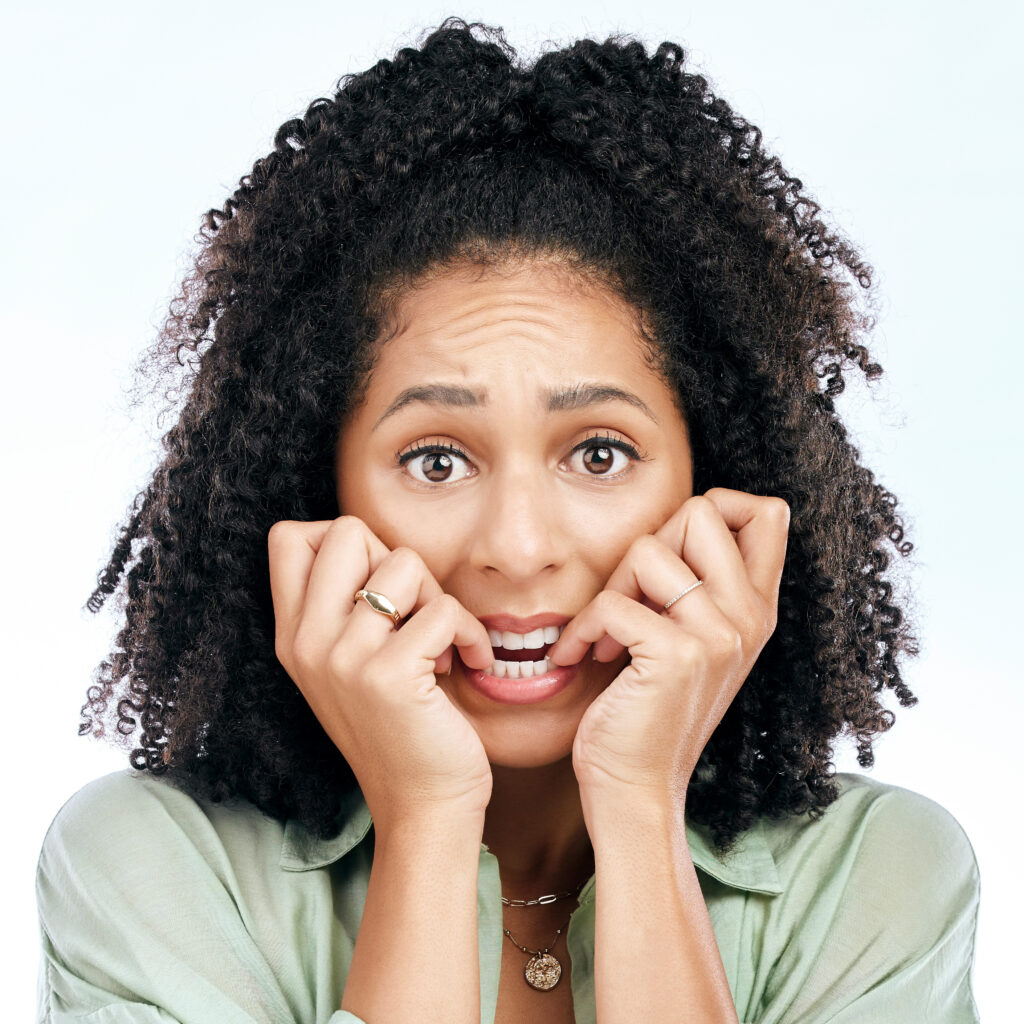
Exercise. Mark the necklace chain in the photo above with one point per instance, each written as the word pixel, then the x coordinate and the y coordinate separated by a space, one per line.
pixel 543 900
pixel 536 952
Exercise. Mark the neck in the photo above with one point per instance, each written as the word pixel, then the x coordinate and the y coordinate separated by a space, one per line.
pixel 534 826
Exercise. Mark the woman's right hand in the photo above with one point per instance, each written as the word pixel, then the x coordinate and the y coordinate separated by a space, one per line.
pixel 372 686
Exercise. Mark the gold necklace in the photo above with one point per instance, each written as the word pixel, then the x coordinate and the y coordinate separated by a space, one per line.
pixel 543 970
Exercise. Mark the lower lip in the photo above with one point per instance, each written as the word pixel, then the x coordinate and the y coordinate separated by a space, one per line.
pixel 521 691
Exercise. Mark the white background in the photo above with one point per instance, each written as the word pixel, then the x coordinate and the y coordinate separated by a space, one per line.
pixel 124 122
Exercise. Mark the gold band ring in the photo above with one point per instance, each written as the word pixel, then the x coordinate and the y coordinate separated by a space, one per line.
pixel 379 603
pixel 693 586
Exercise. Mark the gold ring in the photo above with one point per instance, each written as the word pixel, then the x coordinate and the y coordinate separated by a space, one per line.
pixel 379 603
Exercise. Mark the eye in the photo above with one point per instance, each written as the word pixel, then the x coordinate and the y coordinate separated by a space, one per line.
pixel 599 456
pixel 435 461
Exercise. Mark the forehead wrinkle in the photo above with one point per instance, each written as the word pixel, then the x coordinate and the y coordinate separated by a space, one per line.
pixel 493 320
pixel 507 301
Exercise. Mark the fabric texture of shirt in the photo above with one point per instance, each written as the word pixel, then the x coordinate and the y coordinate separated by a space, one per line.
pixel 157 908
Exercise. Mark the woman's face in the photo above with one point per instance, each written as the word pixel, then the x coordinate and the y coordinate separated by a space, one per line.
pixel 521 511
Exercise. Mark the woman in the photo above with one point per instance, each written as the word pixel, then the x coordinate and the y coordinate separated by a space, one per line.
pixel 494 367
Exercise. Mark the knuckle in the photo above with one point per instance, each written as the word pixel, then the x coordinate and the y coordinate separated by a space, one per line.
pixel 279 532
pixel 751 627
pixel 728 641
pixel 736 648
pixel 405 558
pixel 376 675
pixel 701 505
pixel 691 653
pixel 646 545
pixel 606 601
pixel 445 606
pixel 340 663
pixel 348 524
pixel 282 651
pixel 282 538
pixel 780 508
pixel 305 652
pixel 371 674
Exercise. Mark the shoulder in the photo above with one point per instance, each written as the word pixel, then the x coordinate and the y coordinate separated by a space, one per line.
pixel 117 827
pixel 870 814
pixel 876 913
pixel 150 897
pixel 131 802
pixel 881 844
pixel 115 800
pixel 901 818
pixel 867 808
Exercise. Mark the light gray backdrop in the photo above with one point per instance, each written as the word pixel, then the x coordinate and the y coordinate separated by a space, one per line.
pixel 123 122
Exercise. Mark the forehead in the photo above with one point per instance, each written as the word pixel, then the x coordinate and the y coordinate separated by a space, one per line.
pixel 528 317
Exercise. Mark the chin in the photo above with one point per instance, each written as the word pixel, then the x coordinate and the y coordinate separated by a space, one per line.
pixel 528 758
pixel 531 743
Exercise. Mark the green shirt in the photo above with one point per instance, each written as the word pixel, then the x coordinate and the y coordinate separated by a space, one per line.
pixel 157 908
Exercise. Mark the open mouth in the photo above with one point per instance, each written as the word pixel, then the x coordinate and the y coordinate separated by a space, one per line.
pixel 522 655
pixel 517 680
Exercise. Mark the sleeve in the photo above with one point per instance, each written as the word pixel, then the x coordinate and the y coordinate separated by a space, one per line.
pixel 137 923
pixel 895 944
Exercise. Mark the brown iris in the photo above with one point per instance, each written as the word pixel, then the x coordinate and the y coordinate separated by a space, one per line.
pixel 437 462
pixel 601 458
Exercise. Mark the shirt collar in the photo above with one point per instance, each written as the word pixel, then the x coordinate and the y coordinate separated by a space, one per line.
pixel 749 866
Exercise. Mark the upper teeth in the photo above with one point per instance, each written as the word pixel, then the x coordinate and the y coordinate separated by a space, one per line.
pixel 520 641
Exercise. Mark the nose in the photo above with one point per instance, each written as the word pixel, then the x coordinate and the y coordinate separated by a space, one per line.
pixel 519 532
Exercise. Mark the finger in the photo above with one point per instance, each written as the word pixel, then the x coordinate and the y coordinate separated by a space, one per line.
pixel 710 545
pixel 630 625
pixel 404 579
pixel 291 550
pixel 429 635
pixel 650 575
pixel 761 527
pixel 694 544
pixel 699 535
pixel 348 553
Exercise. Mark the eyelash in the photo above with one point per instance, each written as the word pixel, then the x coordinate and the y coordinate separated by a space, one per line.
pixel 595 441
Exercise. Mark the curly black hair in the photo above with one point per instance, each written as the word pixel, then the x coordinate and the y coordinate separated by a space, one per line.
pixel 619 163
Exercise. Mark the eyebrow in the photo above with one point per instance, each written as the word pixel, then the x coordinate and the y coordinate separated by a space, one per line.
pixel 568 399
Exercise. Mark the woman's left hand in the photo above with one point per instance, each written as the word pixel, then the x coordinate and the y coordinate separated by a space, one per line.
pixel 649 726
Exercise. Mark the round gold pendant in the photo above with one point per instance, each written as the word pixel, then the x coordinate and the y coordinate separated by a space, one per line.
pixel 543 971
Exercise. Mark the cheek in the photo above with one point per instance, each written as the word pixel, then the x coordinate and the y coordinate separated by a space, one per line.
pixel 637 511
pixel 368 496
pixel 426 531
pixel 603 537
pixel 663 499
pixel 606 537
